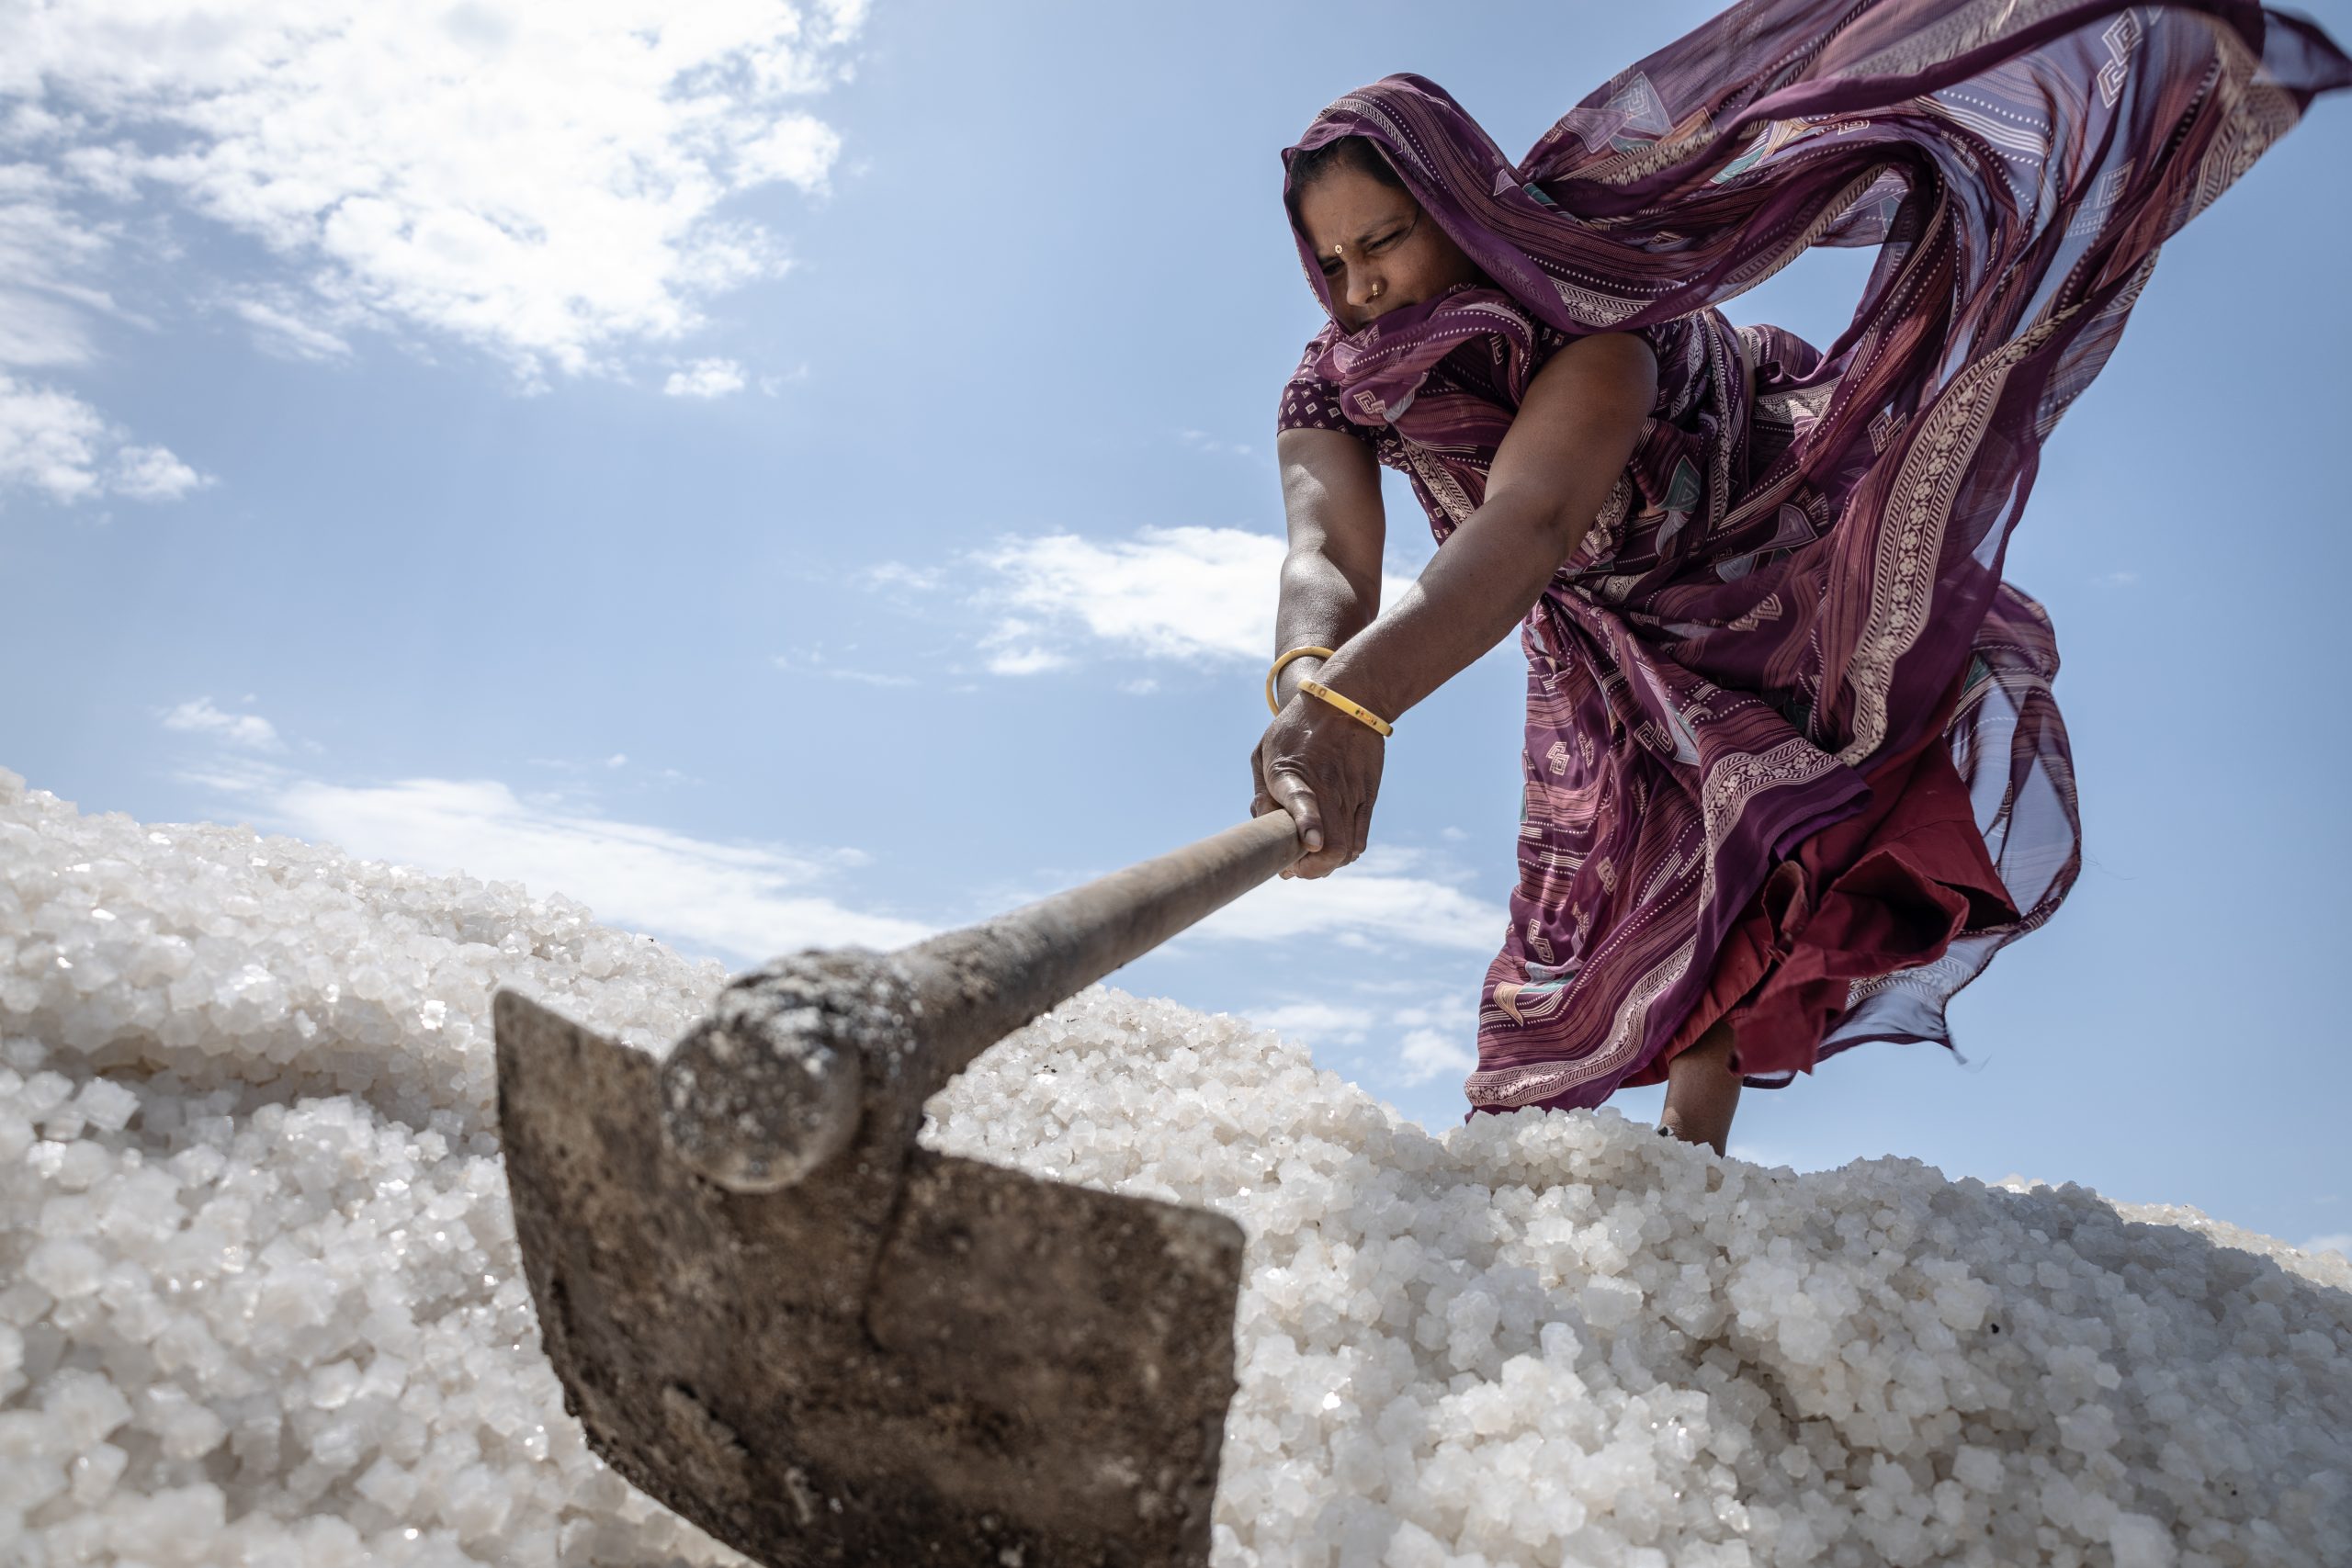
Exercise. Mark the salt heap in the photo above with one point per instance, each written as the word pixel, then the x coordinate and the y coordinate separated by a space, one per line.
pixel 260 1301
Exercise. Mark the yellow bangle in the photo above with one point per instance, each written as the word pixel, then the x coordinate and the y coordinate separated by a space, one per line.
pixel 1353 710
pixel 1272 705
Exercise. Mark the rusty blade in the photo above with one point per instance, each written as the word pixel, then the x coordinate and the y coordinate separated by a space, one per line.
pixel 907 1359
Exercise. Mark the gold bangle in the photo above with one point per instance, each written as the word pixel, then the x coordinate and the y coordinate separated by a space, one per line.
pixel 1353 710
pixel 1272 705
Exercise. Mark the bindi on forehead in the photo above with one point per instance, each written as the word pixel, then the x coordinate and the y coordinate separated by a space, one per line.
pixel 1357 229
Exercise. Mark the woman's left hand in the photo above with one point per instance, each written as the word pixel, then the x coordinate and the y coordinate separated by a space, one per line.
pixel 1322 767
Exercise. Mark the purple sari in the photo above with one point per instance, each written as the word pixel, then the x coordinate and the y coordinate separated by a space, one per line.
pixel 1799 576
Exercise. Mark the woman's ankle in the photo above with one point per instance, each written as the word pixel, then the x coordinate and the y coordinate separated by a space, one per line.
pixel 1702 1091
pixel 1711 1131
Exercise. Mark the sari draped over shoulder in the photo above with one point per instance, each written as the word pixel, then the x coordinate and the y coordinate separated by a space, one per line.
pixel 1791 753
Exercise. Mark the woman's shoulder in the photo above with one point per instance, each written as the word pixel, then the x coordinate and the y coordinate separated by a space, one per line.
pixel 1672 343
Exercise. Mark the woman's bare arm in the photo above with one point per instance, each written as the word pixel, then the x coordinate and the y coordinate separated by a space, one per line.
pixel 1566 450
pixel 1330 581
pixel 1571 439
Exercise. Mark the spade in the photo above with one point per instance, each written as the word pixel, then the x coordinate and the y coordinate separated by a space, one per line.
pixel 775 1314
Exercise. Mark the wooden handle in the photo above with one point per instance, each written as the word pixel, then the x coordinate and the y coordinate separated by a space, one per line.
pixel 797 1055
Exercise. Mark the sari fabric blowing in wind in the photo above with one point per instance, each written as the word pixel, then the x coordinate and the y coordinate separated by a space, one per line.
pixel 1791 754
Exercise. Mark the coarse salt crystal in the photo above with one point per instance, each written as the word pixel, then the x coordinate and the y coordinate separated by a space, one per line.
pixel 249 1185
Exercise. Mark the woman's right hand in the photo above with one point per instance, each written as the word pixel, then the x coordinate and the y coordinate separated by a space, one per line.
pixel 1285 687
pixel 1323 767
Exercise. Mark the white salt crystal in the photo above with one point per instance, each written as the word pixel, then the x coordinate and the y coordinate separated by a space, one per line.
pixel 1977 1469
pixel 182 1428
pixel 94 1470
pixel 64 1267
pixel 28 1481
pixel 477 1503
pixel 84 1406
pixel 266 1305
pixel 2139 1541
pixel 105 1105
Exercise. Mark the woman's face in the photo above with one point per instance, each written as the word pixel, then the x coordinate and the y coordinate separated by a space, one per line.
pixel 1377 248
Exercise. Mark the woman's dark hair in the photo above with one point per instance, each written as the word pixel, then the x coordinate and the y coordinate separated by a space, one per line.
pixel 1357 152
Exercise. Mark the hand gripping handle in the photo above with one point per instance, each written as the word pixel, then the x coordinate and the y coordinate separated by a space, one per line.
pixel 797 1055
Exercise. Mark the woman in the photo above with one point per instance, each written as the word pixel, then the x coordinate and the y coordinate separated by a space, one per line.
pixel 1793 773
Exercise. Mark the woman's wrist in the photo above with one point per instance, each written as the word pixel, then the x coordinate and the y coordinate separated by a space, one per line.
pixel 1342 703
pixel 1305 667
pixel 1356 674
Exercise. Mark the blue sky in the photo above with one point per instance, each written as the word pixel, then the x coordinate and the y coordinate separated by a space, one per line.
pixel 806 477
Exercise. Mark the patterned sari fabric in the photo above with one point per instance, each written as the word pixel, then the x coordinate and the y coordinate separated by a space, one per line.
pixel 1790 615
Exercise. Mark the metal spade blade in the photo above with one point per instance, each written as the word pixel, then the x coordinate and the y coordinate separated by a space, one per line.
pixel 901 1356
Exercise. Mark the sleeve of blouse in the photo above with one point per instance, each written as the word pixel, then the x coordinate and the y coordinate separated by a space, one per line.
pixel 1310 402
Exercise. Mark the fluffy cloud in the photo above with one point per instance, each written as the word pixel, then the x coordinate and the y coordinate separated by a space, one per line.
pixel 56 444
pixel 705 378
pixel 544 183
pixel 538 180
pixel 1192 593
pixel 1195 594
pixel 744 902
pixel 1317 1024
pixel 152 473
pixel 1423 1054
pixel 1384 899
pixel 198 717
pixel 1433 1037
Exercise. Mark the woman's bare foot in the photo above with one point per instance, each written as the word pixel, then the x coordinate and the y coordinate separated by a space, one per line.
pixel 1701 1091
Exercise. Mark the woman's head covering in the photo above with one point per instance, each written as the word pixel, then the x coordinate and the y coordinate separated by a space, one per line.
pixel 1779 615
pixel 1785 124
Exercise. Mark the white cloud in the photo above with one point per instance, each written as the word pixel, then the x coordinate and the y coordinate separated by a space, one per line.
pixel 1317 1024
pixel 280 330
pixel 705 378
pixel 2340 1241
pixel 198 717
pixel 1191 593
pixel 1194 595
pixel 1377 902
pixel 48 441
pixel 54 443
pixel 152 473
pixel 1024 660
pixel 1435 1039
pixel 898 574
pixel 813 661
pixel 548 184
pixel 44 249
pixel 37 330
pixel 1423 1054
pixel 745 902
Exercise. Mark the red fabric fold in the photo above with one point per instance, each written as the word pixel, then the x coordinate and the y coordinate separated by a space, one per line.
pixel 1884 890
